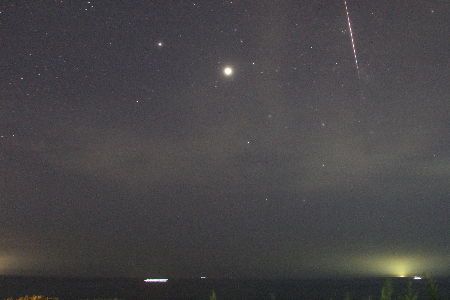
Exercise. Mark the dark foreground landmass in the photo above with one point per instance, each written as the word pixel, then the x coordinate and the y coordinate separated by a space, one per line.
pixel 13 288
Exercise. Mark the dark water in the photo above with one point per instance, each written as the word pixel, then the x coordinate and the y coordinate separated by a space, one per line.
pixel 225 289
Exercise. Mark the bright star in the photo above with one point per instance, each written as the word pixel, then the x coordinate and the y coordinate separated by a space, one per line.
pixel 228 71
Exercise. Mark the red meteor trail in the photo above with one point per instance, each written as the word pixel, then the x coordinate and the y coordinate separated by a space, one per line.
pixel 351 36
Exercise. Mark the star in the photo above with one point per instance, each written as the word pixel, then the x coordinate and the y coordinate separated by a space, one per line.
pixel 228 71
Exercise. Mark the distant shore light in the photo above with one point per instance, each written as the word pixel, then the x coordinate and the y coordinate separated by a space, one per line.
pixel 156 280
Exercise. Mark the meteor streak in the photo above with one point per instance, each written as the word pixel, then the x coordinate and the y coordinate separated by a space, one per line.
pixel 351 36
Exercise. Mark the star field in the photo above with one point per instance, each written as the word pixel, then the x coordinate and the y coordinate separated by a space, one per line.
pixel 224 138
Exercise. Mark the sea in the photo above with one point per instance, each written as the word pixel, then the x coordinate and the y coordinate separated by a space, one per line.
pixel 202 289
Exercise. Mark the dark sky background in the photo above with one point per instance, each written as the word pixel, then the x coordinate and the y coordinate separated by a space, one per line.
pixel 125 150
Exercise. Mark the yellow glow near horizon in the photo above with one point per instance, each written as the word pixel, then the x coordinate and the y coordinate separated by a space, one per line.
pixel 6 263
pixel 395 265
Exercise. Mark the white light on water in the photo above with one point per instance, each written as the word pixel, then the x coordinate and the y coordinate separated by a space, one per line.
pixel 156 280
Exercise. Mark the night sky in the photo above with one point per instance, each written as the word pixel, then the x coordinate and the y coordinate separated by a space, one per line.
pixel 126 149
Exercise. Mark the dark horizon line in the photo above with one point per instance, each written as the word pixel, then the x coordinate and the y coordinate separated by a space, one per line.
pixel 328 277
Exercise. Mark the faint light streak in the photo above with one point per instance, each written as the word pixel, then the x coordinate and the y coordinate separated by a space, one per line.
pixel 156 280
pixel 351 36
